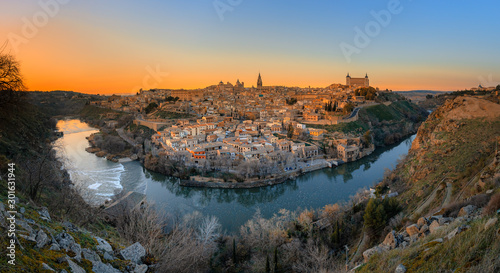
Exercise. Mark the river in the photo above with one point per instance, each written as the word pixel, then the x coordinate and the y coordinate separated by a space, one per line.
pixel 98 179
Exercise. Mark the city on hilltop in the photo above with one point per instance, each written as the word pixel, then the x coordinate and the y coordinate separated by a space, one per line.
pixel 252 134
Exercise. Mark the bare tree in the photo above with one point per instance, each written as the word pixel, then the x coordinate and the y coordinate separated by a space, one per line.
pixel 209 231
pixel 40 172
pixel 10 78
pixel 142 224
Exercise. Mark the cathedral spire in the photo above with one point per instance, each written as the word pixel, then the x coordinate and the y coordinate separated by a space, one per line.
pixel 259 81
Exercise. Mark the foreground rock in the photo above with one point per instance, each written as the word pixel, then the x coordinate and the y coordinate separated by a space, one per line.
pixel 372 251
pixel 412 230
pixel 400 269
pixel 134 253
pixel 103 245
pixel 467 210
pixel 392 240
pixel 74 267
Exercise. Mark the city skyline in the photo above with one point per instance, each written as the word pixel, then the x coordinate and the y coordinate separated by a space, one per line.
pixel 119 47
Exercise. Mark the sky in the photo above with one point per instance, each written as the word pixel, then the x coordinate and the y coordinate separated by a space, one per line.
pixel 120 46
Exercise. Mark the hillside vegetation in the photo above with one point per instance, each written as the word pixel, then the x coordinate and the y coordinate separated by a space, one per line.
pixel 449 187
pixel 391 122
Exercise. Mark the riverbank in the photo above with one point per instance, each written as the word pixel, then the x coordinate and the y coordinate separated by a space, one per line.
pixel 211 182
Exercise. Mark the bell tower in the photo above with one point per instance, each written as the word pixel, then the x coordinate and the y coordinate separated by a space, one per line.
pixel 259 81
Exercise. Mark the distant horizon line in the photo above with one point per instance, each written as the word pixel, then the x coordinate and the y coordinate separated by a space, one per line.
pixel 134 93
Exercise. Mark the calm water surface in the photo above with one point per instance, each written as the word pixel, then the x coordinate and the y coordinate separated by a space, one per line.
pixel 98 179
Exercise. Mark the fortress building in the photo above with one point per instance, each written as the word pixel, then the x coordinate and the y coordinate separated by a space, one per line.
pixel 357 82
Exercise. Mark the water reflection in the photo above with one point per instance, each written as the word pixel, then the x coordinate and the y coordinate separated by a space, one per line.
pixel 232 206
pixel 312 190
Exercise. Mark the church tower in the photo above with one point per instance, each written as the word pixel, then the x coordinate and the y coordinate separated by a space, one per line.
pixel 259 81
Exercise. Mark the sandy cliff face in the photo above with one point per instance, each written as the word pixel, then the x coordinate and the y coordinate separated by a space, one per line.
pixel 447 118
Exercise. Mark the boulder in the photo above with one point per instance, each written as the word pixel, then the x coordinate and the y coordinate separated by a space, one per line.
pixel 103 245
pixel 134 253
pixel 392 239
pixel 90 255
pixel 467 210
pixel 400 269
pixel 24 225
pixel 22 210
pixel 490 223
pixel 444 220
pixel 456 231
pixel 141 268
pixel 100 267
pixel 434 226
pixel 46 267
pixel 108 256
pixel 77 249
pixel 412 230
pixel 422 221
pixel 31 237
pixel 55 247
pixel 41 239
pixel 70 227
pixel 372 251
pixel 44 214
pixel 65 240
pixel 74 267
pixel 424 228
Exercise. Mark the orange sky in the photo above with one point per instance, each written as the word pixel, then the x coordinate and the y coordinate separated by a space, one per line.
pixel 116 47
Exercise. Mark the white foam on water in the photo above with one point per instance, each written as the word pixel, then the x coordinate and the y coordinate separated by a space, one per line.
pixel 94 176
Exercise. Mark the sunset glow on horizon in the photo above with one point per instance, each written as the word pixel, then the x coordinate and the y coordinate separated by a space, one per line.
pixel 117 46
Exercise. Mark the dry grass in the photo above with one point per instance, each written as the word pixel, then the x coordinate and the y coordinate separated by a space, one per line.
pixel 474 250
pixel 493 205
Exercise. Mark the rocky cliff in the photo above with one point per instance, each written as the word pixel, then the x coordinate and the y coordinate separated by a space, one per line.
pixel 450 187
pixel 42 244
pixel 448 117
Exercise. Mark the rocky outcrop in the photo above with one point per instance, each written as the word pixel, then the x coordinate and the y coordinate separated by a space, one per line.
pixel 41 239
pixel 75 268
pixel 104 268
pixel 103 245
pixel 467 210
pixel 400 269
pixel 134 253
pixel 456 231
pixel 392 240
pixel 44 214
pixel 62 248
pixel 372 251
pixel 412 230
pixel 434 226
pixel 448 114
